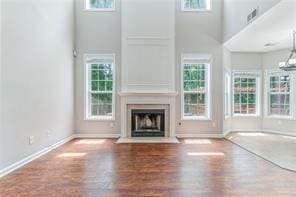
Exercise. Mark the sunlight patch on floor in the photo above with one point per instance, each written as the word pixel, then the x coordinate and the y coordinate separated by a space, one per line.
pixel 65 155
pixel 205 154
pixel 252 134
pixel 197 141
pixel 91 141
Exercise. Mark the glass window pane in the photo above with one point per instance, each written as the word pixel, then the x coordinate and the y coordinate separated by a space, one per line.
pixel 94 66
pixel 101 74
pixel 244 98
pixel 102 85
pixel 105 98
pixel 95 4
pixel 190 98
pixel 186 74
pixel 109 86
pixel 94 85
pixel 252 98
pixel 194 74
pixel 201 99
pixel 251 109
pixel 244 108
pixel 236 98
pixel 94 75
pixel 236 108
pixel 236 79
pixel 274 99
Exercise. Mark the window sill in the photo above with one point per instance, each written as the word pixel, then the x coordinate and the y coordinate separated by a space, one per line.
pixel 226 117
pixel 196 10
pixel 280 117
pixel 246 116
pixel 102 118
pixel 100 10
pixel 200 118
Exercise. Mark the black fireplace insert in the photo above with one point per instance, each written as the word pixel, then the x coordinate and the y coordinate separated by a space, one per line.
pixel 148 122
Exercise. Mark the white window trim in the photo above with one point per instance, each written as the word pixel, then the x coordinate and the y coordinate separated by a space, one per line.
pixel 100 9
pixel 183 9
pixel 268 73
pixel 208 97
pixel 87 85
pixel 227 103
pixel 258 93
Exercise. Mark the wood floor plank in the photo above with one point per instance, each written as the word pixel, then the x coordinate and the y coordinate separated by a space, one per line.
pixel 195 167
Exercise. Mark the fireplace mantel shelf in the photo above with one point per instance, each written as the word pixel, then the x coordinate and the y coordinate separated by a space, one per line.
pixel 148 94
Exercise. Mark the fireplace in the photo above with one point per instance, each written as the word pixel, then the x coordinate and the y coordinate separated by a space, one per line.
pixel 147 122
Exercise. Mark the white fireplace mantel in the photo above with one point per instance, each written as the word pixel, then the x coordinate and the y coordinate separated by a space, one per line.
pixel 148 94
pixel 147 98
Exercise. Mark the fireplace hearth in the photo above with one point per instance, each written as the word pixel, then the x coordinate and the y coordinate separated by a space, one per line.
pixel 148 123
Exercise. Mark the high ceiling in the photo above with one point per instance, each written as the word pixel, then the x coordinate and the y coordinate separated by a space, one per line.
pixel 273 28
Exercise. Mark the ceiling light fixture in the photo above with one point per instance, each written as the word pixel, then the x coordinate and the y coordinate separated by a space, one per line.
pixel 290 64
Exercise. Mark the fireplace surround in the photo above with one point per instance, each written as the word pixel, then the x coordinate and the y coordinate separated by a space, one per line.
pixel 148 101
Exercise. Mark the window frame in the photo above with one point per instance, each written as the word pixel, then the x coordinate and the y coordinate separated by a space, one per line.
pixel 227 94
pixel 87 112
pixel 99 9
pixel 208 78
pixel 276 72
pixel 208 9
pixel 248 73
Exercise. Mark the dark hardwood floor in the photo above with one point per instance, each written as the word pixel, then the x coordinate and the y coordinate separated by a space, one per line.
pixel 196 167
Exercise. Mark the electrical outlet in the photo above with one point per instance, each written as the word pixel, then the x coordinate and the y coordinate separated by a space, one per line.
pixel 48 132
pixel 31 140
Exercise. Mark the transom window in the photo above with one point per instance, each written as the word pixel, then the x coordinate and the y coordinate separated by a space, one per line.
pixel 100 5
pixel 279 94
pixel 195 86
pixel 196 5
pixel 246 93
pixel 100 86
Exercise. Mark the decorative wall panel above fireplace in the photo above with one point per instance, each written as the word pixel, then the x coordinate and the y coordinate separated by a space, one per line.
pixel 148 48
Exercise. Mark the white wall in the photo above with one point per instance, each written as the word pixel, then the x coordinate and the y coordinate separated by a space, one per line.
pixel 236 11
pixel 270 61
pixel 201 32
pixel 37 75
pixel 246 61
pixel 227 68
pixel 1 130
pixel 96 32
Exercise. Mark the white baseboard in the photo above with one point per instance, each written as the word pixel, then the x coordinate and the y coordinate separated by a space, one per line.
pixel 279 132
pixel 96 135
pixel 226 133
pixel 246 130
pixel 261 130
pixel 32 157
pixel 197 135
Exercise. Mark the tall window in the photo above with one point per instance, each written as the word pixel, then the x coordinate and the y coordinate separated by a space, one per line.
pixel 100 5
pixel 100 86
pixel 227 94
pixel 195 86
pixel 246 93
pixel 279 94
pixel 196 5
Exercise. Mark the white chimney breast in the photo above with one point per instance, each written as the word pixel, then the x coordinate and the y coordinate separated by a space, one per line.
pixel 148 46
